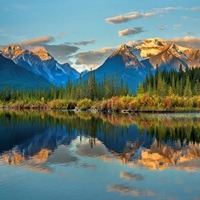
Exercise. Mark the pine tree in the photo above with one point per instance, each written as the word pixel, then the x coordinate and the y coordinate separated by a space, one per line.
pixel 173 87
pixel 170 91
pixel 187 89
pixel 197 88
pixel 160 86
pixel 140 89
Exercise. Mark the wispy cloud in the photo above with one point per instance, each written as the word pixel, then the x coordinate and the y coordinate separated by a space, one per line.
pixel 167 9
pixel 189 33
pixel 36 41
pixel 131 31
pixel 94 58
pixel 177 25
pixel 190 18
pixel 61 35
pixel 134 43
pixel 162 27
pixel 188 41
pixel 136 15
pixel 2 48
pixel 193 9
pixel 127 17
pixel 60 52
pixel 85 42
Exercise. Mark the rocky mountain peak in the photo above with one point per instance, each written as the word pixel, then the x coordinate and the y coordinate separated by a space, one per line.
pixel 128 56
pixel 13 51
pixel 124 47
pixel 151 47
pixel 153 42
pixel 43 54
pixel 123 50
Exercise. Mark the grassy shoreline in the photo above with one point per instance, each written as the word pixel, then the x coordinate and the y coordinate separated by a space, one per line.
pixel 123 104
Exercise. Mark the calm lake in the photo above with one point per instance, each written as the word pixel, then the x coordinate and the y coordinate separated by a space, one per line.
pixel 60 155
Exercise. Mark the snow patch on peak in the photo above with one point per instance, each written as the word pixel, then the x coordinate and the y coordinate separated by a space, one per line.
pixel 177 50
pixel 149 47
pixel 136 52
pixel 59 67
pixel 153 42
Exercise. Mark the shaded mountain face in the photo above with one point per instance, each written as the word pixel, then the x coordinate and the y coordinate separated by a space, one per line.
pixel 84 72
pixel 16 76
pixel 126 65
pixel 42 63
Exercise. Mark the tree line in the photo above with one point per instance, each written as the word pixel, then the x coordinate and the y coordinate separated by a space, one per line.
pixel 168 83
pixel 161 84
pixel 91 89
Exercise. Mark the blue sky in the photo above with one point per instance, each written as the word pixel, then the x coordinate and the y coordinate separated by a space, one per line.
pixel 85 32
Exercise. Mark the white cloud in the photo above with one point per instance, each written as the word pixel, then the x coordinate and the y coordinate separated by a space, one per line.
pixel 134 43
pixel 131 31
pixel 171 8
pixel 60 52
pixel 187 41
pixel 136 15
pixel 36 41
pixel 127 17
pixel 94 58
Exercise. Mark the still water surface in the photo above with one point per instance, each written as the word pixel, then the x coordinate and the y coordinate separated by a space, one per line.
pixel 59 155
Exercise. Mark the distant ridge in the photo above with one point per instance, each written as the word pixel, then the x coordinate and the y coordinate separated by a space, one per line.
pixel 17 77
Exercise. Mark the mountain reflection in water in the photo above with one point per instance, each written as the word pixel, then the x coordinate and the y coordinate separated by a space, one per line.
pixel 36 139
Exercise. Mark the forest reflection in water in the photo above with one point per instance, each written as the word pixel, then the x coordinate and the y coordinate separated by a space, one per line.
pixel 156 141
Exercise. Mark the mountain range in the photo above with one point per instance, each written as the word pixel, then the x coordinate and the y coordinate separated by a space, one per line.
pixel 18 77
pixel 40 62
pixel 131 62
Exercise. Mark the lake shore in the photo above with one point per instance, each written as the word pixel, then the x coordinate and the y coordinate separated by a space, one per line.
pixel 123 104
pixel 123 111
